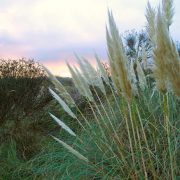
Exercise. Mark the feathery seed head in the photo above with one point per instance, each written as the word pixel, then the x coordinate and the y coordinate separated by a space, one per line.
pixel 83 82
pixel 62 103
pixel 61 89
pixel 150 16
pixel 63 125
pixel 118 60
pixel 168 11
pixel 73 151
pixel 141 76
pixel 166 57
pixel 102 71
pixel 80 83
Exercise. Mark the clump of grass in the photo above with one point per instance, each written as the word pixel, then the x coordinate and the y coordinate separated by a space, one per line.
pixel 134 134
pixel 166 57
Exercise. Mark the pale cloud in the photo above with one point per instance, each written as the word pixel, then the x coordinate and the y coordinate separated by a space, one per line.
pixel 51 30
pixel 75 18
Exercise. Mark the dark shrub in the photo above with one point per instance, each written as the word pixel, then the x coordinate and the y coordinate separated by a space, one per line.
pixel 23 92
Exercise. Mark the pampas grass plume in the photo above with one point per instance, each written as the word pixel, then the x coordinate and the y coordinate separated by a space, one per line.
pixel 62 103
pixel 63 125
pixel 59 87
pixel 118 60
pixel 71 150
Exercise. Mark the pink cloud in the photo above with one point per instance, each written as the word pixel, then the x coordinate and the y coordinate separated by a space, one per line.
pixel 60 68
pixel 57 67
pixel 14 52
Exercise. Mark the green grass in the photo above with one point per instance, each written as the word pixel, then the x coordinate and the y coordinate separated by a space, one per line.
pixel 110 157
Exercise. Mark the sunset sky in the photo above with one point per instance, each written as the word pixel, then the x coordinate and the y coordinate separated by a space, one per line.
pixel 50 31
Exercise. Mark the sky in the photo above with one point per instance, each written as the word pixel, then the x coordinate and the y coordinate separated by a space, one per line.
pixel 51 31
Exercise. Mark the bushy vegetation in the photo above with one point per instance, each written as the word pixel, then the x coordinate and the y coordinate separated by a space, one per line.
pixel 23 93
pixel 25 123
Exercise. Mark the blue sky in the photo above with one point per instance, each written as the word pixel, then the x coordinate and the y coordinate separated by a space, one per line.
pixel 50 31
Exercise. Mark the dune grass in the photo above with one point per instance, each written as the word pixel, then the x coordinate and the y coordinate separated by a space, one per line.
pixel 143 146
pixel 135 133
